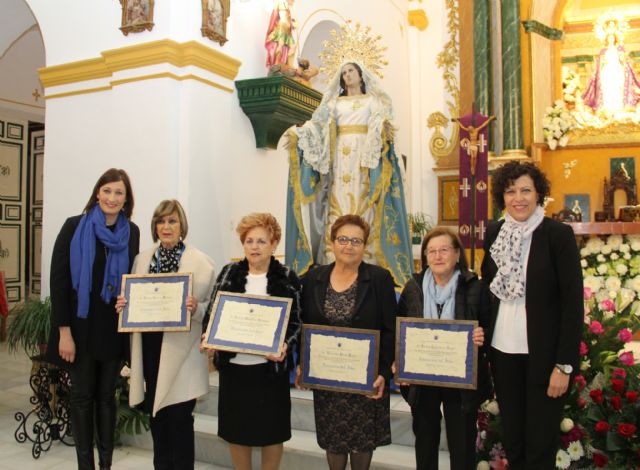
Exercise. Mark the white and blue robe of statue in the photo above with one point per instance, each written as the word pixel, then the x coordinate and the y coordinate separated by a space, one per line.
pixel 342 161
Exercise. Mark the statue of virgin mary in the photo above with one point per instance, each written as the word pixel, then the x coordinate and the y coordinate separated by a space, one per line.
pixel 342 161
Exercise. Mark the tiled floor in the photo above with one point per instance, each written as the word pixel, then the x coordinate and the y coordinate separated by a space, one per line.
pixel 15 393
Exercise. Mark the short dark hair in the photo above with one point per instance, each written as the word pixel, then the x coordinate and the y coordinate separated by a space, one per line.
pixel 113 175
pixel 343 87
pixel 350 219
pixel 507 174
pixel 463 265
pixel 168 207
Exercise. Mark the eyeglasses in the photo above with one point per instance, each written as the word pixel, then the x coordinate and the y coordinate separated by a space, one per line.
pixel 346 240
pixel 444 251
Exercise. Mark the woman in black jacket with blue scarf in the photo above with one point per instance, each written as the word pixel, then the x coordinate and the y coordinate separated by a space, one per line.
pixel 90 255
pixel 446 289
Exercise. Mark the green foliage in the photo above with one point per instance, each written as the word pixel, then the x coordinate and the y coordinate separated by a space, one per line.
pixel 129 421
pixel 30 326
pixel 420 224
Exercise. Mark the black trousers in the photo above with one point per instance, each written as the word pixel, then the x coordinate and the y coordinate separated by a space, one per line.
pixel 460 427
pixel 172 426
pixel 530 418
pixel 173 441
pixel 93 386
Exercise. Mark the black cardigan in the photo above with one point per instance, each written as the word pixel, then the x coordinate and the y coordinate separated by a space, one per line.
pixel 98 333
pixel 471 303
pixel 281 282
pixel 375 307
pixel 553 297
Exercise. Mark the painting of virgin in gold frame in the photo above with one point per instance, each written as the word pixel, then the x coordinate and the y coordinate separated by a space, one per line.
pixel 137 16
pixel 214 19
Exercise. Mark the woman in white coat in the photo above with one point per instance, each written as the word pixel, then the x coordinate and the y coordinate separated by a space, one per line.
pixel 170 363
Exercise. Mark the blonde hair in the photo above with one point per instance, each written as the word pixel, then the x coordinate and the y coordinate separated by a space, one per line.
pixel 168 207
pixel 259 219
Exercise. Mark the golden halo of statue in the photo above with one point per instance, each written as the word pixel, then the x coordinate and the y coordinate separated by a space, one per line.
pixel 352 44
pixel 611 23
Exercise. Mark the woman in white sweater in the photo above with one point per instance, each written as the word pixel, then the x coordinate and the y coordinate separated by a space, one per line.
pixel 170 363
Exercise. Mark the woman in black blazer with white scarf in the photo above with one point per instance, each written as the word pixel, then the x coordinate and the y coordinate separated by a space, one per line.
pixel 532 265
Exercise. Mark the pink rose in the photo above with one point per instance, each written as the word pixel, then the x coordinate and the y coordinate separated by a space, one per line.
pixel 596 328
pixel 499 464
pixel 626 358
pixel 580 382
pixel 607 305
pixel 619 372
pixel 583 348
pixel 587 293
pixel 625 335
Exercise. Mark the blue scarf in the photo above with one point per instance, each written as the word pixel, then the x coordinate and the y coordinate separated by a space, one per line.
pixel 93 225
pixel 444 296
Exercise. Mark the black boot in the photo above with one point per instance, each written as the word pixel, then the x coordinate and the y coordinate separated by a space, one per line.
pixel 82 429
pixel 105 426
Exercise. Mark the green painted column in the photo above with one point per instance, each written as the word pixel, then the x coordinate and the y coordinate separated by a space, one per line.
pixel 513 140
pixel 482 68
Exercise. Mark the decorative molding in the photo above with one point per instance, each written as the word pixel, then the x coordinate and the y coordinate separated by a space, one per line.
pixel 447 60
pixel 612 134
pixel 14 131
pixel 12 212
pixel 165 51
pixel 141 78
pixel 533 26
pixel 418 18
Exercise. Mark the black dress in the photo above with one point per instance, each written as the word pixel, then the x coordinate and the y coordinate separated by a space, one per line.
pixel 348 422
pixel 254 403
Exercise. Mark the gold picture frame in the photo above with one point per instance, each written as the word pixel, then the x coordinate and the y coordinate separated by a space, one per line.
pixel 137 16
pixel 214 20
pixel 448 200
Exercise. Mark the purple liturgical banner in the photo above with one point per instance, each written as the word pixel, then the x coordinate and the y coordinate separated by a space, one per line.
pixel 473 178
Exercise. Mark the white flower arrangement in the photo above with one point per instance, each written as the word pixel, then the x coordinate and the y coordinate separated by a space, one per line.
pixel 611 268
pixel 556 124
pixel 571 87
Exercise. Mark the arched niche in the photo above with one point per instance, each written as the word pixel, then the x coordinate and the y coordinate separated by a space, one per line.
pixel 313 46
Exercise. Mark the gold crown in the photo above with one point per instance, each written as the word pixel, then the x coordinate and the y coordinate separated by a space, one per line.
pixel 611 23
pixel 352 45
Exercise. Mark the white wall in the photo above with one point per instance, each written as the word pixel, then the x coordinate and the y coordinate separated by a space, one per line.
pixel 24 56
pixel 187 140
pixel 429 96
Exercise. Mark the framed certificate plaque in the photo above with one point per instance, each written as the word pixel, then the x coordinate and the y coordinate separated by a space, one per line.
pixel 155 302
pixel 339 359
pixel 436 352
pixel 253 324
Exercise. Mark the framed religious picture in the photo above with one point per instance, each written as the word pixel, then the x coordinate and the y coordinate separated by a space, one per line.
pixel 627 166
pixel 436 352
pixel 448 187
pixel 214 19
pixel 137 16
pixel 339 359
pixel 579 204
pixel 252 324
pixel 155 302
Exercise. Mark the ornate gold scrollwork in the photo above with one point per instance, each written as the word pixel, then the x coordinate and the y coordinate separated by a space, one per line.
pixel 447 60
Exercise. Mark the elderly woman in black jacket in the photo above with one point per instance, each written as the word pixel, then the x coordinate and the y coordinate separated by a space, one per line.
pixel 254 405
pixel 446 289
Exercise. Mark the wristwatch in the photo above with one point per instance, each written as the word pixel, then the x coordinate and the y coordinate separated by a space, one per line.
pixel 565 369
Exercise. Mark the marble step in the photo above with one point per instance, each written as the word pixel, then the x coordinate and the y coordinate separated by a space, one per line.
pixel 302 417
pixel 301 451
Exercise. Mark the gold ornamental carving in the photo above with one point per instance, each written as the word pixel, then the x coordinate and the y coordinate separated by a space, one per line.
pixel 615 133
pixel 447 60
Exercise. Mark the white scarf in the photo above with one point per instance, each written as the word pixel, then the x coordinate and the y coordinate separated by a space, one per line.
pixel 506 251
